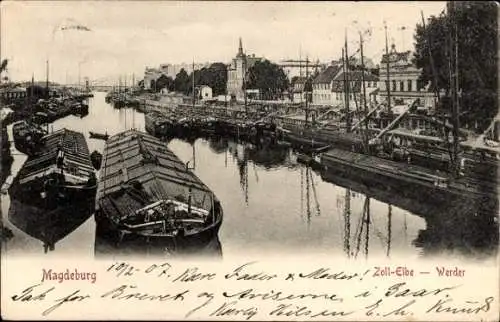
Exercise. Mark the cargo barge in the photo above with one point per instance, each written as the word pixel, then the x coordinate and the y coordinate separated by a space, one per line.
pixel 60 172
pixel 415 182
pixel 54 191
pixel 27 137
pixel 148 197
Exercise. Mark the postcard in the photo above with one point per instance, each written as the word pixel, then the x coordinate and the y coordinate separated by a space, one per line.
pixel 249 161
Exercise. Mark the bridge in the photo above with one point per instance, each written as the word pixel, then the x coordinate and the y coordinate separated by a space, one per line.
pixel 300 63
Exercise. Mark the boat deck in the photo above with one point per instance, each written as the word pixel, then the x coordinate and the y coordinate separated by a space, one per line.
pixel 138 170
pixel 411 173
pixel 76 156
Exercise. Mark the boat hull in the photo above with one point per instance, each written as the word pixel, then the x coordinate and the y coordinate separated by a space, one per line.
pixel 158 205
pixel 50 226
pixel 406 187
pixel 118 239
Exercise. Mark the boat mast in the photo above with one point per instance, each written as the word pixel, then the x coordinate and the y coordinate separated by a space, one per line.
pixel 194 97
pixel 79 82
pixel 389 230
pixel 456 110
pixel 367 236
pixel 245 83
pixel 307 75
pixel 347 94
pixel 346 99
pixel 122 98
pixel 388 81
pixel 300 61
pixel 47 80
pixel 347 222
pixel 365 136
pixel 31 96
pixel 308 199
pixel 453 76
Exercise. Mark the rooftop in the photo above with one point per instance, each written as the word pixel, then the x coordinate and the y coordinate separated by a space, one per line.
pixel 395 56
pixel 74 148
pixel 354 75
pixel 327 75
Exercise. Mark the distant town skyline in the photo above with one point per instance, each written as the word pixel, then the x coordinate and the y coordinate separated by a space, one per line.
pixel 106 39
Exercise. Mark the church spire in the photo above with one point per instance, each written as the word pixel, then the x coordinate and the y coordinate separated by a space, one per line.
pixel 240 49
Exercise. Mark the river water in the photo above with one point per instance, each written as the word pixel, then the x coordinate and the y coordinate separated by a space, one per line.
pixel 272 204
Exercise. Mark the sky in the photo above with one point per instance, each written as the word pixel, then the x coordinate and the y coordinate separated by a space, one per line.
pixel 127 36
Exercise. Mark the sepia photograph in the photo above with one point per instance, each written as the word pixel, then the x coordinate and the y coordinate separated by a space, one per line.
pixel 207 131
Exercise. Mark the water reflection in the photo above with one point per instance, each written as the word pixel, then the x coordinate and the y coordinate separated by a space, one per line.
pixel 49 227
pixel 285 206
pixel 373 220
pixel 105 249
pixel 274 205
pixel 458 226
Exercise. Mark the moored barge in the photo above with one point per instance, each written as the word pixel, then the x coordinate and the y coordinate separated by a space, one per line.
pixel 27 137
pixel 54 191
pixel 158 124
pixel 415 182
pixel 147 196
pixel 59 173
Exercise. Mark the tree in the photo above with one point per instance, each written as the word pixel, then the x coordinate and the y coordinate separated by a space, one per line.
pixel 214 76
pixel 181 81
pixel 3 66
pixel 269 78
pixel 217 78
pixel 164 82
pixel 141 83
pixel 36 91
pixel 477 56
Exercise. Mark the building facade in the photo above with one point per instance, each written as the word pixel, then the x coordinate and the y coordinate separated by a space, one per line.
pixel 236 72
pixel 298 90
pixel 13 93
pixel 404 81
pixel 150 74
pixel 169 70
pixel 355 78
pixel 205 92
pixel 322 86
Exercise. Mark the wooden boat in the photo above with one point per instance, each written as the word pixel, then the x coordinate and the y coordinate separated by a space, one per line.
pixel 98 136
pixel 148 196
pixel 80 108
pixel 60 173
pixel 312 160
pixel 27 137
pixel 54 191
pixel 158 124
pixel 416 181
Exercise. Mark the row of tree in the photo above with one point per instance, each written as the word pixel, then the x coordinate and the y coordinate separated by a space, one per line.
pixel 264 75
pixel 214 76
pixel 477 57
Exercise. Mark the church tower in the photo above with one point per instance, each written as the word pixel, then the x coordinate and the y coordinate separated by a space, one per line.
pixel 240 49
